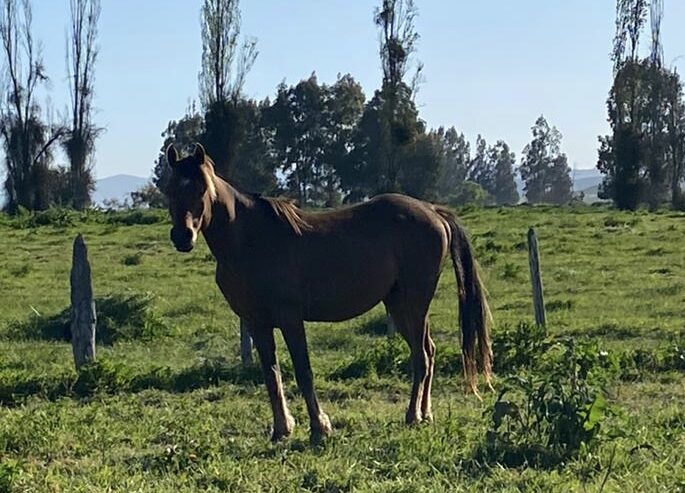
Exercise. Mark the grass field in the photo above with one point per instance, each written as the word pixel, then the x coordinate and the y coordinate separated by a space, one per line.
pixel 169 408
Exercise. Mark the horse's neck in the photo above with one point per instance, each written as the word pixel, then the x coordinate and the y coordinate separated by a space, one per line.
pixel 224 231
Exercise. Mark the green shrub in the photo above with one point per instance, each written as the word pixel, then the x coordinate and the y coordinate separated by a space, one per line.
pixel 62 217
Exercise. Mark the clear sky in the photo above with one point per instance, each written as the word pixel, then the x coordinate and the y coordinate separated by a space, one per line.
pixel 491 66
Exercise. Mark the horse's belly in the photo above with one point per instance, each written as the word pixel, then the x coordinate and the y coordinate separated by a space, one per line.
pixel 337 296
pixel 335 311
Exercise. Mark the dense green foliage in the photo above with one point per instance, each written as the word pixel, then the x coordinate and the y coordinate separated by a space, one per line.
pixel 168 406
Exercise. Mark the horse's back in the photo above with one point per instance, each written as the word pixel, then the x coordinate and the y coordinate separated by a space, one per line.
pixel 351 258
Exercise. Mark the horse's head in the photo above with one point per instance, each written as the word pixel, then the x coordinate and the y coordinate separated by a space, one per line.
pixel 191 192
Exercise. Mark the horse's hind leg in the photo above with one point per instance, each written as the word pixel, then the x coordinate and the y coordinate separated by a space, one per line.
pixel 429 346
pixel 410 321
pixel 296 341
pixel 283 421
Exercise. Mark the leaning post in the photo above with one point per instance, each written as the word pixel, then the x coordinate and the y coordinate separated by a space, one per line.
pixel 245 343
pixel 536 278
pixel 83 316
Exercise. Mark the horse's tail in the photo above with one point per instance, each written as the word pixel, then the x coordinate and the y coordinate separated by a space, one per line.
pixel 474 313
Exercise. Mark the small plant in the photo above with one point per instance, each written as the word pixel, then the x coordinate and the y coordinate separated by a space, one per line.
pixel 133 259
pixel 519 347
pixel 102 375
pixel 21 271
pixel 559 305
pixel 492 246
pixel 511 271
pixel 549 414
pixel 655 252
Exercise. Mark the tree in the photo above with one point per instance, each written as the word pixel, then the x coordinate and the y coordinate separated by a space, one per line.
pixel 312 125
pixel 621 154
pixel 456 163
pixel 503 184
pixel 544 168
pixel 225 65
pixel 481 169
pixel 27 138
pixel 421 166
pixel 255 169
pixel 675 145
pixel 492 167
pixel 642 157
pixel 377 160
pixel 398 117
pixel 148 196
pixel 81 57
pixel 298 120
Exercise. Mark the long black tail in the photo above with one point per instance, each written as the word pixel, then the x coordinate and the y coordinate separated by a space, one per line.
pixel 474 313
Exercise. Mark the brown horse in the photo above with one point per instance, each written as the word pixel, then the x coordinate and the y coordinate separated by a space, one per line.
pixel 279 266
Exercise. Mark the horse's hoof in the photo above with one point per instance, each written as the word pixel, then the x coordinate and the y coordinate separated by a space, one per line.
pixel 412 419
pixel 279 435
pixel 283 431
pixel 321 430
pixel 428 417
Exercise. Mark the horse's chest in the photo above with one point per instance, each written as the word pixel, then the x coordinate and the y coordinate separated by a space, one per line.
pixel 258 289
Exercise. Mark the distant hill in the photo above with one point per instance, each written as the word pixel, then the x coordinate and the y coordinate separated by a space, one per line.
pixel 584 180
pixel 117 187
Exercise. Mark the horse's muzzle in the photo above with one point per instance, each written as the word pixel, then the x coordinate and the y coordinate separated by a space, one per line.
pixel 183 239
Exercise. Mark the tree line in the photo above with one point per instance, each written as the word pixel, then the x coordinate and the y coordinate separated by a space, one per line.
pixel 326 143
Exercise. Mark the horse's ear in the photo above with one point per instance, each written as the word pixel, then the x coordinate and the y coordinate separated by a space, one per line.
pixel 171 155
pixel 199 154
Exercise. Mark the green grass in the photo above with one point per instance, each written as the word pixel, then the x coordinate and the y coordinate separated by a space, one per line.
pixel 169 408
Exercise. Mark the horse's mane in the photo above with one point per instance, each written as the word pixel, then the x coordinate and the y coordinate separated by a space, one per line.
pixel 209 176
pixel 286 210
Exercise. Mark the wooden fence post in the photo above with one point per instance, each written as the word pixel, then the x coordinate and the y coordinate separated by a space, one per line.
pixel 245 344
pixel 392 328
pixel 83 316
pixel 535 278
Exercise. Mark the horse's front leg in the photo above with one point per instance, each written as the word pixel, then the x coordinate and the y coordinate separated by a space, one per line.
pixel 296 341
pixel 264 342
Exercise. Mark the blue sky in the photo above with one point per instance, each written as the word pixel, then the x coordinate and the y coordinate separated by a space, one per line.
pixel 491 67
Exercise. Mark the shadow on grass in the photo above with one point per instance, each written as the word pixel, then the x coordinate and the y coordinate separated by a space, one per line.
pixel 120 317
pixel 107 377
pixel 375 327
